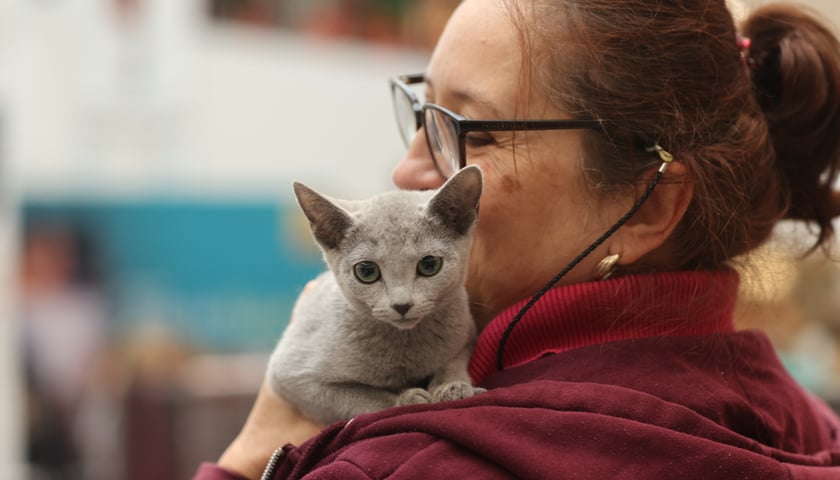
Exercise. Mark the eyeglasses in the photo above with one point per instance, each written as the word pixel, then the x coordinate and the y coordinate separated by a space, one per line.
pixel 446 131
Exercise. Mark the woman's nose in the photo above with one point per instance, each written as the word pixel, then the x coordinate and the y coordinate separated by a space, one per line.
pixel 417 171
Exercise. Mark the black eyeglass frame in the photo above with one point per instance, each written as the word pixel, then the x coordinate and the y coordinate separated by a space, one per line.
pixel 463 126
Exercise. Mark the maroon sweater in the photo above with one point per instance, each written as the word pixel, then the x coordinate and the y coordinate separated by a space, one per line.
pixel 635 377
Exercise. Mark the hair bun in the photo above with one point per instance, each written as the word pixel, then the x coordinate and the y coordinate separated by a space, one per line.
pixel 795 64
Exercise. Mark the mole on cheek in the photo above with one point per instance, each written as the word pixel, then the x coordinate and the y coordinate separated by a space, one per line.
pixel 510 184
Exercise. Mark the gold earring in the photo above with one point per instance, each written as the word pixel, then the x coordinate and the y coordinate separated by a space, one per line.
pixel 606 266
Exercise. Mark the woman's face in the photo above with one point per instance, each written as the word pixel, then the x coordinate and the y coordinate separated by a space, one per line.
pixel 536 213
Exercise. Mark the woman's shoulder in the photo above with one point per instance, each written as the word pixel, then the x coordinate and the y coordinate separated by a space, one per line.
pixel 735 380
pixel 697 407
pixel 547 420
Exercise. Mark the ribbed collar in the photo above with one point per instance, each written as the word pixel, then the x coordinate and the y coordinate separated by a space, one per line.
pixel 634 306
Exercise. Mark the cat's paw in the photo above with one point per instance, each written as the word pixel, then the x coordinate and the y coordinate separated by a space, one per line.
pixel 413 396
pixel 455 391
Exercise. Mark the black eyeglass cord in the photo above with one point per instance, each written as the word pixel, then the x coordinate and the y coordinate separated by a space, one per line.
pixel 666 160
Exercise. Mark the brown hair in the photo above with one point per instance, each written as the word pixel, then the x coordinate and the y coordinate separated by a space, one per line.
pixel 756 151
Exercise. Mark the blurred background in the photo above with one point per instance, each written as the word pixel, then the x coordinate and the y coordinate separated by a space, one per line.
pixel 150 246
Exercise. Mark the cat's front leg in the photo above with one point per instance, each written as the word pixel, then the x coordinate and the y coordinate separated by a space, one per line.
pixel 346 400
pixel 414 396
pixel 455 391
pixel 452 381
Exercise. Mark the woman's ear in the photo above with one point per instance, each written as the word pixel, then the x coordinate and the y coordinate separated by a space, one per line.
pixel 658 216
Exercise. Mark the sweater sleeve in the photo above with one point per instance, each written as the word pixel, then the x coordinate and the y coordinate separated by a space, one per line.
pixel 211 471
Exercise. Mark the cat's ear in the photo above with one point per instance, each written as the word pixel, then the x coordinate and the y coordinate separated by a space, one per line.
pixel 329 222
pixel 456 202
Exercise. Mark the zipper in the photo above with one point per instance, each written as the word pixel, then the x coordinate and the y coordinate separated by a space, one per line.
pixel 273 462
pixel 277 456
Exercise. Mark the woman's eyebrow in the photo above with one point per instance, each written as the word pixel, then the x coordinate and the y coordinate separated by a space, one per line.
pixel 466 97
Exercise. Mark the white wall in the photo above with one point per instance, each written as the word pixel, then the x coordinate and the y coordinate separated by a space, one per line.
pixel 170 106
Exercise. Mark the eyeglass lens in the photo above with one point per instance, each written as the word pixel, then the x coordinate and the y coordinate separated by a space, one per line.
pixel 441 131
pixel 442 136
pixel 406 118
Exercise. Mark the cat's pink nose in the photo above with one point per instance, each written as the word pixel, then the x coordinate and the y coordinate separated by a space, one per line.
pixel 402 308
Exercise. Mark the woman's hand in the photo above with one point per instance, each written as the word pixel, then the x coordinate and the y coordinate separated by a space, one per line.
pixel 272 423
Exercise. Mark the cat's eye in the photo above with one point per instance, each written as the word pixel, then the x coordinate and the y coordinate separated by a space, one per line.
pixel 429 266
pixel 367 272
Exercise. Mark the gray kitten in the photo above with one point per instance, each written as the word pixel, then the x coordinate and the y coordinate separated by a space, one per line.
pixel 389 323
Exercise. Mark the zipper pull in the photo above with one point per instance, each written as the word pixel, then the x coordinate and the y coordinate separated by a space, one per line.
pixel 271 468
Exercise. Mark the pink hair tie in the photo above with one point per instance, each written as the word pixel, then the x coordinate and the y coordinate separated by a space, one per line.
pixel 744 44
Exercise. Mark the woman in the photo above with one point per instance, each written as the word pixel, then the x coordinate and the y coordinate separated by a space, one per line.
pixel 673 146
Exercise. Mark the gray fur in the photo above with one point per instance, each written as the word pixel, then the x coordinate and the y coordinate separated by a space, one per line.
pixel 348 350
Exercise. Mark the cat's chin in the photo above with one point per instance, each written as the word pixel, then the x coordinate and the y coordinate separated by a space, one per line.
pixel 404 323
